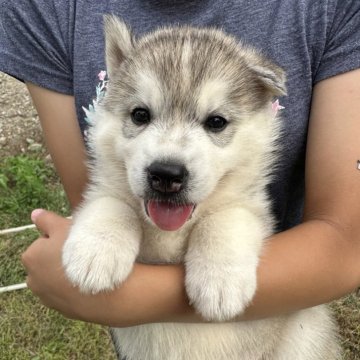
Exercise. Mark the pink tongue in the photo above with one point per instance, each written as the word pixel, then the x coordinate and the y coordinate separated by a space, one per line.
pixel 168 216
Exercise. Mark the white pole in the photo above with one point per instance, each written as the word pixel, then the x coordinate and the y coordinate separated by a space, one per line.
pixel 13 287
pixel 20 228
pixel 16 229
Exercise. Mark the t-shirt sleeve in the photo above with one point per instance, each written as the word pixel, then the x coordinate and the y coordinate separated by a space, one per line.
pixel 342 51
pixel 35 42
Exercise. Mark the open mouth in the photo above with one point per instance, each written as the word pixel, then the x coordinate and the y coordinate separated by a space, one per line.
pixel 167 215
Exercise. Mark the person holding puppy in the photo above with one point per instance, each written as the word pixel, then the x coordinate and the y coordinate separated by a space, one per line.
pixel 313 258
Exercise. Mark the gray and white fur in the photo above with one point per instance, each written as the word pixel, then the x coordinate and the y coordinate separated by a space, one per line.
pixel 182 77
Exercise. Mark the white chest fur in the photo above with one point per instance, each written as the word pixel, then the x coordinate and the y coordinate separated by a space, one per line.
pixel 161 247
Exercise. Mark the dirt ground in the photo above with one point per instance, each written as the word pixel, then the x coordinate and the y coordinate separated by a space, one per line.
pixel 19 124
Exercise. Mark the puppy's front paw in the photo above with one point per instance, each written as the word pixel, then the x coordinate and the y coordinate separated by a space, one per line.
pixel 97 259
pixel 220 292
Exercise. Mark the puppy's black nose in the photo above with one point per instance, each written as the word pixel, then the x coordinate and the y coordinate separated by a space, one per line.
pixel 167 177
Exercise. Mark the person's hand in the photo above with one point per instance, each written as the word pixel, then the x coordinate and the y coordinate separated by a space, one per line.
pixel 150 294
pixel 42 261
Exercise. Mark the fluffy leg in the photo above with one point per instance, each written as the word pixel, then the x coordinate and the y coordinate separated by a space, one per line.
pixel 221 263
pixel 102 245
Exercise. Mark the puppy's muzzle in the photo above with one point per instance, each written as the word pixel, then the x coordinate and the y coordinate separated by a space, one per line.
pixel 167 177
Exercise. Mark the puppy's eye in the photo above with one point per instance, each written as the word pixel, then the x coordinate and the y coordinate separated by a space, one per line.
pixel 215 123
pixel 140 116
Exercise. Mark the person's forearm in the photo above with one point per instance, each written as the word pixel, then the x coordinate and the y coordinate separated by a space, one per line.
pixel 308 265
pixel 303 267
pixel 152 293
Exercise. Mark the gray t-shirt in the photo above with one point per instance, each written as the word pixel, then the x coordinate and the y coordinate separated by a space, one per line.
pixel 59 45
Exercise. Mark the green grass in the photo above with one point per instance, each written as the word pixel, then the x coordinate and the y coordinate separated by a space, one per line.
pixel 347 311
pixel 27 183
pixel 28 330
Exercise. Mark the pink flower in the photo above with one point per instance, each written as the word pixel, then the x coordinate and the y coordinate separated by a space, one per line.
pixel 102 75
pixel 275 106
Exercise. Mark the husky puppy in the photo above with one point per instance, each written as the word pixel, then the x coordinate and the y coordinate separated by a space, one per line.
pixel 183 145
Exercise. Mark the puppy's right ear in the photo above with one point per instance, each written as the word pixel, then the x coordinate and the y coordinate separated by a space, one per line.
pixel 119 42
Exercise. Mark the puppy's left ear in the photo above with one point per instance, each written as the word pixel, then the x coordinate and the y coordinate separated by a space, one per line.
pixel 270 75
pixel 119 42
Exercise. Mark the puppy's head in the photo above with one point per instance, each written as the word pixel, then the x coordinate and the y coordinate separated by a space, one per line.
pixel 184 107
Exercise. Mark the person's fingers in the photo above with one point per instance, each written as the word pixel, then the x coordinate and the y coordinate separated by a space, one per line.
pixel 46 221
pixel 28 257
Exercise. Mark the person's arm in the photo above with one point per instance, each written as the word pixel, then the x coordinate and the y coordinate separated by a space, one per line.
pixel 319 260
pixel 63 138
pixel 310 264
